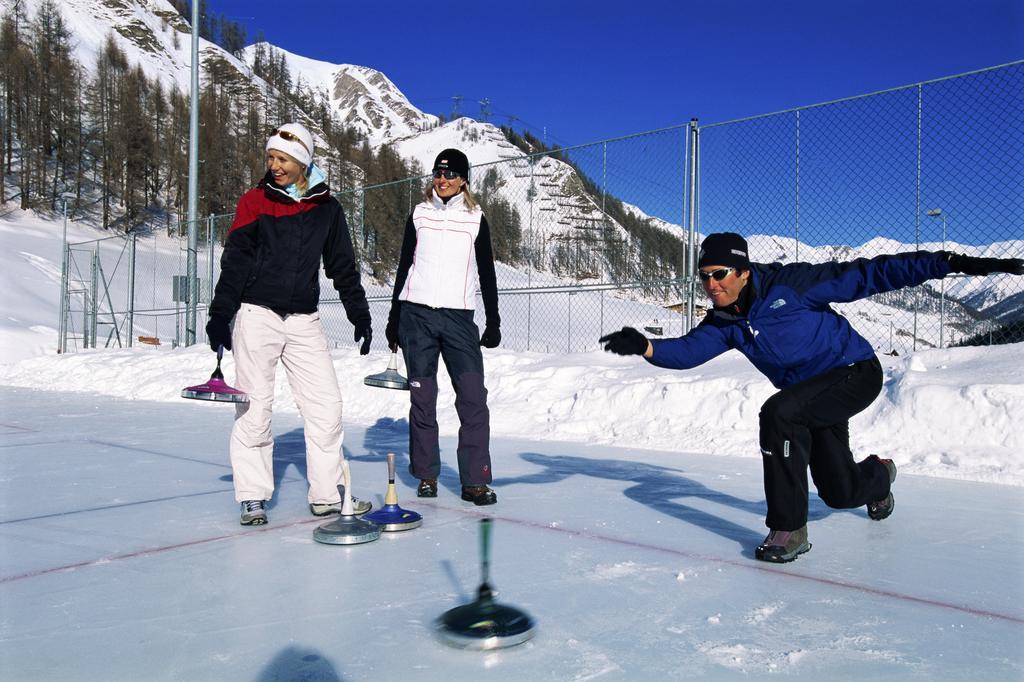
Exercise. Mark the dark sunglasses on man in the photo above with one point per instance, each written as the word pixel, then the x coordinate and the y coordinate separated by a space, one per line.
pixel 285 135
pixel 447 174
pixel 718 274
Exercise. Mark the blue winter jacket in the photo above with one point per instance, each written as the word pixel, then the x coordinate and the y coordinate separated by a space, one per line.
pixel 791 333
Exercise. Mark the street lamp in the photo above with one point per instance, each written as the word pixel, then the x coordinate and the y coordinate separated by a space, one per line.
pixel 62 324
pixel 937 213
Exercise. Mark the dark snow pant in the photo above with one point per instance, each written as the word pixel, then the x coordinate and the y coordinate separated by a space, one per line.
pixel 424 333
pixel 807 424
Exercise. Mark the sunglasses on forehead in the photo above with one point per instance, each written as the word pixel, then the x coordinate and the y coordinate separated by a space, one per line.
pixel 718 275
pixel 285 135
pixel 446 174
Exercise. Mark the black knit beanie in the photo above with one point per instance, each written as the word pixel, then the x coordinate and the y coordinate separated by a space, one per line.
pixel 453 159
pixel 724 248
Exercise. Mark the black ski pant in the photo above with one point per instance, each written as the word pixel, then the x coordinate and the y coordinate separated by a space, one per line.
pixel 807 424
pixel 424 333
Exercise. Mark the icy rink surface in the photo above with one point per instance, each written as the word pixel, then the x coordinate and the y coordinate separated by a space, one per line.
pixel 121 558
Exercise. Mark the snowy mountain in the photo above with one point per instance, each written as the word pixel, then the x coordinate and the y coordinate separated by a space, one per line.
pixel 568 228
pixel 151 33
pixel 363 98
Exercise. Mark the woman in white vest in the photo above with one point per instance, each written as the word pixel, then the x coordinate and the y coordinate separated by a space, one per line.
pixel 445 251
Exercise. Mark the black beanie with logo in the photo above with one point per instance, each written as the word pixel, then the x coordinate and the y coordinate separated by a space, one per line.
pixel 453 159
pixel 724 248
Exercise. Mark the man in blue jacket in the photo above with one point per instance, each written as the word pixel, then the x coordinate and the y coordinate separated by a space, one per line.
pixel 780 317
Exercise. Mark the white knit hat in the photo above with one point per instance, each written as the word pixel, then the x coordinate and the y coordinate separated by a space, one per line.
pixel 295 141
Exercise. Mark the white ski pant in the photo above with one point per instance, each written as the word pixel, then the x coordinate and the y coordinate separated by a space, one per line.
pixel 260 339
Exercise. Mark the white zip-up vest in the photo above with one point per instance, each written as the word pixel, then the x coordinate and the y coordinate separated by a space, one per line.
pixel 443 272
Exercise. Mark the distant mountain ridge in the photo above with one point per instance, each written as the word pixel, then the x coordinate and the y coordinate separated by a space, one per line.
pixel 363 98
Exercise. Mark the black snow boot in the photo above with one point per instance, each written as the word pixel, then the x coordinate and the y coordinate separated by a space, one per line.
pixel 782 546
pixel 883 508
pixel 428 488
pixel 479 495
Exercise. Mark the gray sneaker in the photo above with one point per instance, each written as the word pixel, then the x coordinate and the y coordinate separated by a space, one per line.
pixel 782 546
pixel 254 513
pixel 326 509
pixel 882 509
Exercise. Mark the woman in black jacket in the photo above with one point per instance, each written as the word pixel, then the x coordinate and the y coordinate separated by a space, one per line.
pixel 270 285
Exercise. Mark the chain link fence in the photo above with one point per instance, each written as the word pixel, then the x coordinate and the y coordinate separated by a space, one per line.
pixel 596 237
pixel 936 165
pixel 579 247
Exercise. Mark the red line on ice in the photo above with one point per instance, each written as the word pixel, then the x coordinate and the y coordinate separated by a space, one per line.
pixel 151 550
pixel 746 564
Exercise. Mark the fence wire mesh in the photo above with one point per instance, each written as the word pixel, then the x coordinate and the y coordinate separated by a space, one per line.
pixel 595 237
pixel 937 165
pixel 580 250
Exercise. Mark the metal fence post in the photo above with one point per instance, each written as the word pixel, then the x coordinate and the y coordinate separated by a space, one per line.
pixel 210 245
pixel 94 303
pixel 691 228
pixel 62 333
pixel 917 210
pixel 796 239
pixel 131 287
pixel 568 332
pixel 62 326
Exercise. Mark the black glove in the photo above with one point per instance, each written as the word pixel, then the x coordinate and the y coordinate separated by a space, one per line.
pixel 626 342
pixel 391 331
pixel 364 332
pixel 969 265
pixel 491 336
pixel 218 331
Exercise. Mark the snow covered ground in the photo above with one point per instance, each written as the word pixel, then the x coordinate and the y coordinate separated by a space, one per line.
pixel 630 502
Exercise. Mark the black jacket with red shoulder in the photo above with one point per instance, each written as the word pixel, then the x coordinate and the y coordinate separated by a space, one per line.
pixel 274 249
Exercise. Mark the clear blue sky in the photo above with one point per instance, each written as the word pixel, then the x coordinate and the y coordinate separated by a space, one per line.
pixel 589 70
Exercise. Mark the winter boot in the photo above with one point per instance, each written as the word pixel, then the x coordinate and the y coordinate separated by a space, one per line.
pixel 782 546
pixel 883 508
pixel 326 509
pixel 479 495
pixel 428 488
pixel 254 513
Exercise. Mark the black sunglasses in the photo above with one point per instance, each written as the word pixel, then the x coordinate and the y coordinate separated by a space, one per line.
pixel 718 275
pixel 285 135
pixel 447 174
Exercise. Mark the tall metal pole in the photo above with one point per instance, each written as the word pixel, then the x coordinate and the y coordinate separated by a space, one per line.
pixel 797 182
pixel 62 323
pixel 131 287
pixel 691 255
pixel 938 213
pixel 917 210
pixel 193 185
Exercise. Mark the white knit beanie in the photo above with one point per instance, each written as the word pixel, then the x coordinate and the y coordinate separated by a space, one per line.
pixel 299 147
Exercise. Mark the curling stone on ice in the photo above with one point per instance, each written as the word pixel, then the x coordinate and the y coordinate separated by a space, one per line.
pixel 391 517
pixel 215 390
pixel 484 623
pixel 347 529
pixel 389 378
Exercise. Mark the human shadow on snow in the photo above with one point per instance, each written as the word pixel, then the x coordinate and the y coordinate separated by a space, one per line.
pixel 660 488
pixel 299 663
pixel 290 450
pixel 392 435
